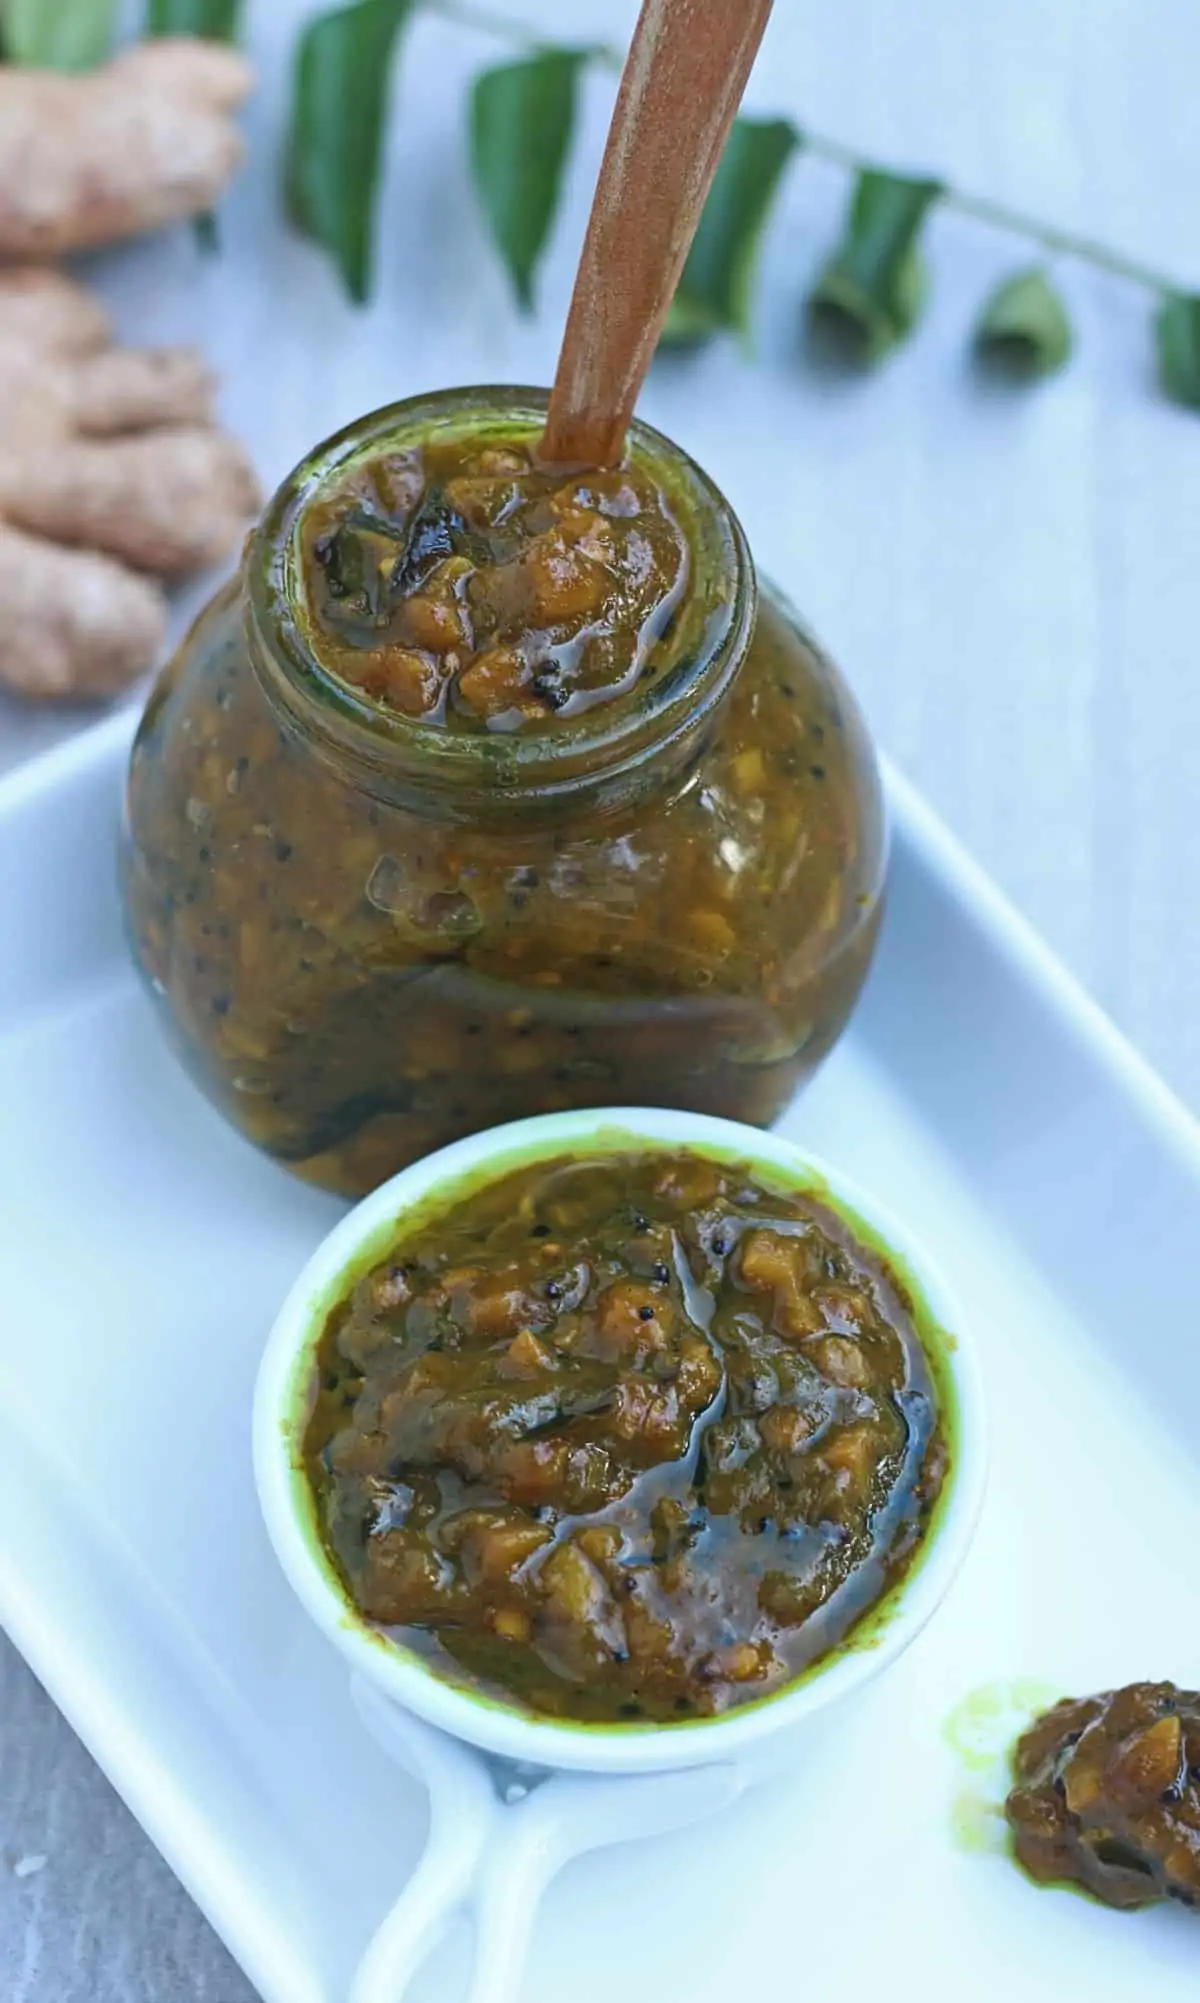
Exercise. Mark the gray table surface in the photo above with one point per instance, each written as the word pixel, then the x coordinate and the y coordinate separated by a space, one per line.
pixel 1013 585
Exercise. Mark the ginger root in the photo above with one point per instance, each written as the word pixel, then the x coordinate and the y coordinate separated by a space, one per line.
pixel 145 140
pixel 112 471
pixel 110 467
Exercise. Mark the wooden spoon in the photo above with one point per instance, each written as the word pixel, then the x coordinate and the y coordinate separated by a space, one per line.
pixel 681 85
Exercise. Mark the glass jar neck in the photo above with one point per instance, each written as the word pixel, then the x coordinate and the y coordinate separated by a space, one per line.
pixel 608 758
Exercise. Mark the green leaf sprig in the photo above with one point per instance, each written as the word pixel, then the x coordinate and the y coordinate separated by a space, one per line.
pixel 868 294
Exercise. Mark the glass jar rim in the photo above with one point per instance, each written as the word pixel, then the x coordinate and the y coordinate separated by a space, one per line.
pixel 389 750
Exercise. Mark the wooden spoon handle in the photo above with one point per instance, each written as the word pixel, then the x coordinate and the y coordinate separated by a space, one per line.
pixel 681 85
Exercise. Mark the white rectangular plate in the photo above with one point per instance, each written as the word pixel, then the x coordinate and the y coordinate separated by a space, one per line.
pixel 144 1251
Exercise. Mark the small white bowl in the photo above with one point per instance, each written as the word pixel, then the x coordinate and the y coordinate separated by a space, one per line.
pixel 499 1831
pixel 282 1404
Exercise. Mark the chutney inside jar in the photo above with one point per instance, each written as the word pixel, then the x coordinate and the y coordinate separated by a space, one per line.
pixel 625 1436
pixel 637 859
pixel 465 584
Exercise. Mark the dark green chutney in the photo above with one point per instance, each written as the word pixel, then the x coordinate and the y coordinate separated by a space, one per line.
pixel 629 1436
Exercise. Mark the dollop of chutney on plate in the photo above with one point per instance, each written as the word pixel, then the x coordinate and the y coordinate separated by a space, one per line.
pixel 1107 1795
pixel 463 584
pixel 624 1436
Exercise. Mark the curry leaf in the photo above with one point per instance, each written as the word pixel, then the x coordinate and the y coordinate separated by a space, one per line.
pixel 873 287
pixel 715 286
pixel 335 141
pixel 213 20
pixel 1177 330
pixel 522 118
pixel 58 34
pixel 1023 329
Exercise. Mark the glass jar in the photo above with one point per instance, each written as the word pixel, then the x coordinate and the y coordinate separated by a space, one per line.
pixel 368 935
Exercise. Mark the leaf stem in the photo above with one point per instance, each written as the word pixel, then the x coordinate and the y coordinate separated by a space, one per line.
pixel 996 215
pixel 1087 250
pixel 1064 243
pixel 518 33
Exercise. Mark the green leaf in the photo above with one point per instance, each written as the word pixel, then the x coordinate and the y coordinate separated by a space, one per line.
pixel 58 34
pixel 335 140
pixel 1177 332
pixel 522 117
pixel 873 288
pixel 213 20
pixel 714 290
pixel 1023 330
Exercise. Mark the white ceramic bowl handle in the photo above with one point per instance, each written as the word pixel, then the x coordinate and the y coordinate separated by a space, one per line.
pixel 492 1859
pixel 559 1820
pixel 462 1808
